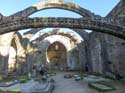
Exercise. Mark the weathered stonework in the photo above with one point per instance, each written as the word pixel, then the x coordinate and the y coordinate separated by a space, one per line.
pixel 72 54
pixel 98 52
pixel 82 23
pixel 55 1
pixel 95 53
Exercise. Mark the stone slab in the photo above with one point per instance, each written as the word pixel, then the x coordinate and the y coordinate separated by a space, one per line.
pixel 78 78
pixel 46 88
pixel 31 87
pixel 92 78
pixel 68 76
pixel 101 87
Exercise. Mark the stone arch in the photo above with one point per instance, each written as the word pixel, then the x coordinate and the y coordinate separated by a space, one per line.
pixel 61 5
pixel 12 60
pixel 82 23
pixel 66 42
pixel 74 39
pixel 70 35
pixel 81 32
pixel 58 39
pixel 20 53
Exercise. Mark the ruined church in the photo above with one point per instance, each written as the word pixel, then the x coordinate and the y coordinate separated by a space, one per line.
pixel 100 51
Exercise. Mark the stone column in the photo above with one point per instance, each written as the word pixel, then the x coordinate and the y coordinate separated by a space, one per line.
pixel 74 62
pixel 30 57
pixel 82 56
pixel 5 43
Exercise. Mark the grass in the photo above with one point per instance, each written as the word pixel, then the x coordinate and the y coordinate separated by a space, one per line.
pixel 96 74
pixel 7 79
pixel 11 91
pixel 1 78
pixel 37 79
pixel 22 79
pixel 122 81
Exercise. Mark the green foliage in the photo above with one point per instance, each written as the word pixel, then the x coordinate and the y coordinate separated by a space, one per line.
pixel 96 74
pixel 11 91
pixel 1 78
pixel 85 75
pixel 6 79
pixel 37 79
pixel 23 79
pixel 122 81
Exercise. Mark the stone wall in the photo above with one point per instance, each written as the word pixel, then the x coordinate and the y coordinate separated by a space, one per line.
pixel 95 52
pixel 116 54
pixel 107 53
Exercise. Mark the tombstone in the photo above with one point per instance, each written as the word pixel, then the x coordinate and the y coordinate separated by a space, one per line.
pixel 68 76
pixel 100 87
pixel 75 76
pixel 78 78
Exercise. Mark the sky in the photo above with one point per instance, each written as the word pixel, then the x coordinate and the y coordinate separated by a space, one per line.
pixel 101 7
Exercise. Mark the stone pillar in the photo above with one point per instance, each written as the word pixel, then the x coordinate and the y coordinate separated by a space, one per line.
pixel 95 48
pixel 74 59
pixel 5 43
pixel 82 56
pixel 30 57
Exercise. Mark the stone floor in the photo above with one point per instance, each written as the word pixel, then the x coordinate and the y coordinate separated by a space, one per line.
pixel 70 85
pixel 63 85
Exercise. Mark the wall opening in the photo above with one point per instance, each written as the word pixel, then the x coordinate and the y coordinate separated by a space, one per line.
pixel 12 57
pixel 57 56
